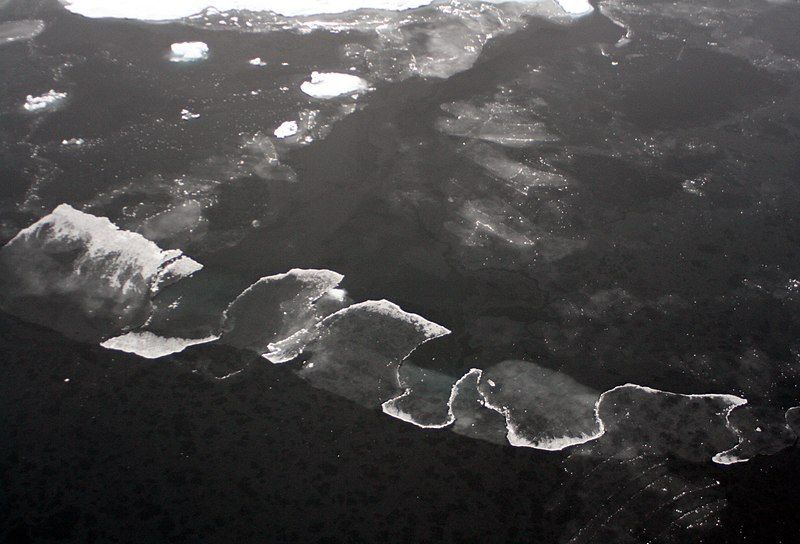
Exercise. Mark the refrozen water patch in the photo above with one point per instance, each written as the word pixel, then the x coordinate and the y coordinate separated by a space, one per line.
pixel 544 409
pixel 82 276
pixel 426 399
pixel 661 423
pixel 356 351
pixel 761 431
pixel 188 51
pixel 275 308
pixel 472 416
pixel 326 85
pixel 16 31
pixel 152 346
pixel 505 124
pixel 50 100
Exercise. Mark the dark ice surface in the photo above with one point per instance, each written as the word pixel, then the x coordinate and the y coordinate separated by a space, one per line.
pixel 602 213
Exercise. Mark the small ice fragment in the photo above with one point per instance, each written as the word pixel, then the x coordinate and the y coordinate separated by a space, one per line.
pixel 187 115
pixel 287 128
pixel 257 62
pixel 49 100
pixel 575 7
pixel 332 84
pixel 188 51
pixel 73 142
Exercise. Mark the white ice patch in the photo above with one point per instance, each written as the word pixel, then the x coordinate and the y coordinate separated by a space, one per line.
pixel 257 62
pixel 73 142
pixel 286 129
pixel 332 84
pixel 188 51
pixel 47 101
pixel 15 31
pixel 187 115
pixel 160 10
pixel 151 346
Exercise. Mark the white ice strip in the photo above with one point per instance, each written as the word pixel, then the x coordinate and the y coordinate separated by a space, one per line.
pixel 693 427
pixel 73 142
pixel 358 349
pixel 327 85
pixel 159 10
pixel 15 31
pixel 151 346
pixel 544 409
pixel 105 276
pixel 426 399
pixel 275 308
pixel 286 129
pixel 518 175
pixel 188 51
pixel 47 101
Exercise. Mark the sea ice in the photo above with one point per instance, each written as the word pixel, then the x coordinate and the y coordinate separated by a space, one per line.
pixel 81 275
pixel 331 84
pixel 151 346
pixel 426 400
pixel 49 100
pixel 276 307
pixel 257 62
pixel 286 129
pixel 188 51
pixel 187 115
pixel 357 350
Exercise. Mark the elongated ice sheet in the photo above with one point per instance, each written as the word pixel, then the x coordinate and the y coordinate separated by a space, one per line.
pixel 544 409
pixel 82 276
pixel 357 350
pixel 653 422
pixel 276 307
pixel 500 123
pixel 151 346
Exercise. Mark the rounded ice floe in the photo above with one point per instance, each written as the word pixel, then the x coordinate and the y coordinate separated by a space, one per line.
pixel 332 84
pixel 188 51
pixel 286 129
pixel 257 62
pixel 100 278
pixel 47 101
pixel 15 31
pixel 151 346
pixel 275 308
pixel 357 350
pixel 544 409
pixel 654 422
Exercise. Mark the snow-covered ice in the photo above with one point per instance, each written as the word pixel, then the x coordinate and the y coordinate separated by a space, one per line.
pixel 286 129
pixel 49 100
pixel 332 84
pixel 151 346
pixel 188 51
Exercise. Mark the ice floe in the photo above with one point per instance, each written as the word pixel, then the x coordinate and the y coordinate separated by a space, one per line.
pixel 286 129
pixel 81 275
pixel 472 417
pixel 73 142
pixel 544 409
pixel 326 85
pixel 151 346
pixel 257 62
pixel 761 431
pixel 275 308
pixel 188 51
pixel 188 115
pixel 15 31
pixel 501 123
pixel 357 350
pixel 426 399
pixel 48 101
